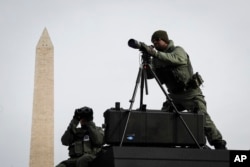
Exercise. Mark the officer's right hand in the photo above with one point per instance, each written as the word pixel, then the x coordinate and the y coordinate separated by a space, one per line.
pixel 148 49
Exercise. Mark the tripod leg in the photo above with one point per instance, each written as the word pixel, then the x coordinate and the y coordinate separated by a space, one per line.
pixel 131 103
pixel 142 87
pixel 145 79
pixel 135 89
pixel 144 83
pixel 173 105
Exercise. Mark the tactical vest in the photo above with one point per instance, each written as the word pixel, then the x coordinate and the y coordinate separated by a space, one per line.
pixel 82 145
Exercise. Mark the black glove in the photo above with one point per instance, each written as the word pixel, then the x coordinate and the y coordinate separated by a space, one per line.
pixel 148 49
pixel 77 115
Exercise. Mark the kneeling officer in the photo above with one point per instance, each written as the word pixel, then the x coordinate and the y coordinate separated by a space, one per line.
pixel 83 142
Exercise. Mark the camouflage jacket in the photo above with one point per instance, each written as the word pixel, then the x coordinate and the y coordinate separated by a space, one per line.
pixel 173 68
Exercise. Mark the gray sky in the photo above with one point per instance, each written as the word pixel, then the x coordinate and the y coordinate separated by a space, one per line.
pixel 95 67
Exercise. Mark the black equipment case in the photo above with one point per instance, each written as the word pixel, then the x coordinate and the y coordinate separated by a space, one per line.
pixel 153 127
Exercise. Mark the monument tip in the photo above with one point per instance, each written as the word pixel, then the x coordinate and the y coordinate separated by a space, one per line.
pixel 45 40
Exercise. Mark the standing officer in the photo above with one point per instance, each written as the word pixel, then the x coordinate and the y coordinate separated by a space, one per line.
pixel 83 142
pixel 173 68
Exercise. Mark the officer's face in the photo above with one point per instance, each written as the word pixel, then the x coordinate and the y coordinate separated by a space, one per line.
pixel 159 44
pixel 83 121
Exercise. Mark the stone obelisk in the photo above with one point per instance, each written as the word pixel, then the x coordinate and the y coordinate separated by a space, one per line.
pixel 42 132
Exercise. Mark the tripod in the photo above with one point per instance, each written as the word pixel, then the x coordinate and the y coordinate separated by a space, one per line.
pixel 142 77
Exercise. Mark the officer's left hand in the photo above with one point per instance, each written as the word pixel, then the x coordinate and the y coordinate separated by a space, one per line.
pixel 76 115
pixel 148 49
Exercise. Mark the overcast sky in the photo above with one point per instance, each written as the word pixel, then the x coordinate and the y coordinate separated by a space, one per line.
pixel 94 66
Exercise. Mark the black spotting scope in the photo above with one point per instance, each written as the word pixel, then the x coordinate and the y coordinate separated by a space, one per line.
pixel 134 44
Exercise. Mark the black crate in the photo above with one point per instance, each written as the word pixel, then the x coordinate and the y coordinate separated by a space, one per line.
pixel 153 127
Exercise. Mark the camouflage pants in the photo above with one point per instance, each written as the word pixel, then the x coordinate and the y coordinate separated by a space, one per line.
pixel 82 161
pixel 198 104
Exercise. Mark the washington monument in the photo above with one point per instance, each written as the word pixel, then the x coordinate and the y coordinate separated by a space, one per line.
pixel 42 132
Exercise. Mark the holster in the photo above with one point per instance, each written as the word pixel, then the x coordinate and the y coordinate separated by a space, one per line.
pixel 196 81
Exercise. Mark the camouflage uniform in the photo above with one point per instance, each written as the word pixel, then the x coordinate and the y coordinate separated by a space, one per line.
pixel 173 68
pixel 84 143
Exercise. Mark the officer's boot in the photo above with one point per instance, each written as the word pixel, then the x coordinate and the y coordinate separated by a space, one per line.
pixel 220 144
